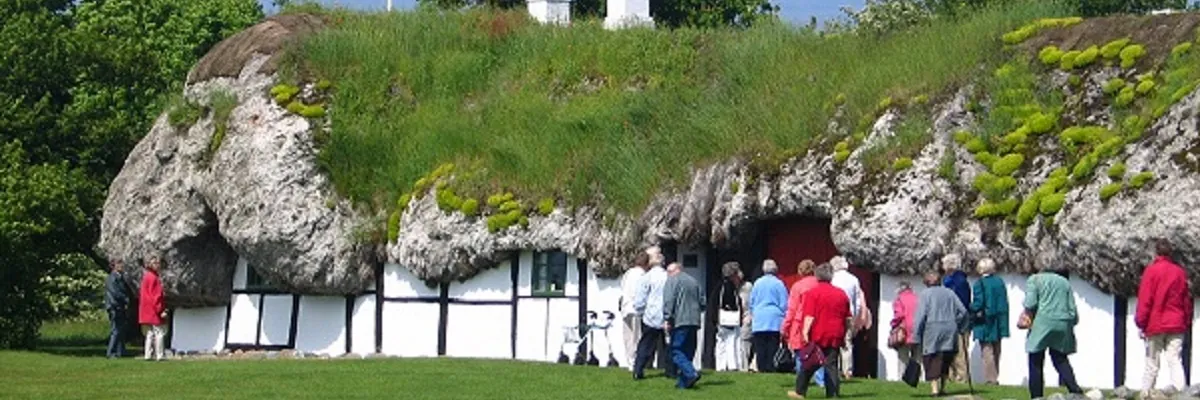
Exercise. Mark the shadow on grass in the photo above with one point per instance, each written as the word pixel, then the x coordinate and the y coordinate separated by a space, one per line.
pixel 81 339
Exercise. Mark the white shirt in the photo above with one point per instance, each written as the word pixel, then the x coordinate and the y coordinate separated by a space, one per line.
pixel 649 299
pixel 846 281
pixel 629 288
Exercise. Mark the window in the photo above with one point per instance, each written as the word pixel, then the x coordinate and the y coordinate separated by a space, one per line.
pixel 549 273
pixel 691 260
pixel 254 281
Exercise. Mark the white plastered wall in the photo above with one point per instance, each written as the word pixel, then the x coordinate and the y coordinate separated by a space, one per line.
pixel 1093 362
pixel 481 331
pixel 321 325
pixel 243 319
pixel 198 329
pixel 276 320
pixel 1135 354
pixel 541 321
pixel 410 329
pixel 363 321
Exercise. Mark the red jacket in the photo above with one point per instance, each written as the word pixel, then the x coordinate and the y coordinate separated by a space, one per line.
pixel 830 309
pixel 903 311
pixel 150 302
pixel 1164 302
pixel 792 324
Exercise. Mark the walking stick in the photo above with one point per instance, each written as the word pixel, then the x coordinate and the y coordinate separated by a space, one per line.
pixel 967 357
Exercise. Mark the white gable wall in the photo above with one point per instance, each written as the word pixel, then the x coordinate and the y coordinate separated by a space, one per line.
pixel 321 325
pixel 243 319
pixel 276 320
pixel 363 331
pixel 198 329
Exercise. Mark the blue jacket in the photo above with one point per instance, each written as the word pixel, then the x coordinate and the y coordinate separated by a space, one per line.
pixel 768 303
pixel 957 282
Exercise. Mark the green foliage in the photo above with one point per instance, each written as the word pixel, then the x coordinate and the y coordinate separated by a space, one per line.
pixel 671 14
pixel 1041 123
pixel 496 200
pixel 1067 62
pixel 1117 171
pixel 402 203
pixel 222 103
pixel 841 156
pixel 994 210
pixel 1126 97
pixel 1025 32
pixel 284 93
pixel 1050 55
pixel 1074 136
pixel 1145 87
pixel 994 188
pixel 1181 49
pixel 393 226
pixel 80 83
pixel 880 18
pixel 1141 179
pixel 986 158
pixel 963 137
pixel 1114 85
pixel 1130 54
pixel 902 163
pixel 1084 168
pixel 509 206
pixel 1110 190
pixel 1052 203
pixel 470 207
pixel 1087 57
pixel 182 113
pixel 946 167
pixel 503 220
pixel 545 207
pixel 911 135
pixel 1112 49
pixel 448 201
pixel 1007 165
pixel 1028 210
pixel 1074 80
pixel 976 145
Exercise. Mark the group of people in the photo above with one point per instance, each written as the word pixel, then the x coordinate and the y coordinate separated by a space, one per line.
pixel 152 311
pixel 819 315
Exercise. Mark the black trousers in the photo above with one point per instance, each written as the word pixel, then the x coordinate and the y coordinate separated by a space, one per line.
pixel 832 379
pixel 765 345
pixel 1066 374
pixel 653 342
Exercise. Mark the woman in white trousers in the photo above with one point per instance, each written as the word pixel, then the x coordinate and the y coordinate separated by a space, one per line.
pixel 729 352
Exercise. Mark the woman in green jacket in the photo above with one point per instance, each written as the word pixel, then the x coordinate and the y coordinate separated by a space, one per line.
pixel 989 306
pixel 1048 298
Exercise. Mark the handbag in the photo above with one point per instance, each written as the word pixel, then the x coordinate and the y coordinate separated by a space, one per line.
pixel 912 372
pixel 784 359
pixel 811 356
pixel 728 318
pixel 898 337
pixel 1026 320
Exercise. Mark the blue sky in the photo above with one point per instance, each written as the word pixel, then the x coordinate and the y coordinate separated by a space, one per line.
pixel 798 11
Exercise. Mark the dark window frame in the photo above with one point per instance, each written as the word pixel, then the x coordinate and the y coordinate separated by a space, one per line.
pixel 256 282
pixel 541 274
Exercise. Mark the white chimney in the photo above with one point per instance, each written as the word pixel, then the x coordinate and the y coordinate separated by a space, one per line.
pixel 550 11
pixel 628 13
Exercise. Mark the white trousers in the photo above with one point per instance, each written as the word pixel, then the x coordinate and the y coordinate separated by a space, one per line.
pixel 848 353
pixel 729 349
pixel 632 333
pixel 1157 348
pixel 154 340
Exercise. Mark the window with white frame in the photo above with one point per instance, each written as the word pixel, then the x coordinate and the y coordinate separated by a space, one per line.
pixel 549 277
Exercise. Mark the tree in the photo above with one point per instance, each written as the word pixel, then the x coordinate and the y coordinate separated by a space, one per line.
pixel 80 83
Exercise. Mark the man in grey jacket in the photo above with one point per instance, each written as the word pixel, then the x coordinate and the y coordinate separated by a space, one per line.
pixel 116 299
pixel 683 301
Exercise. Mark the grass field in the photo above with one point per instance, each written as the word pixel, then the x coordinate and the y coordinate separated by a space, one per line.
pixel 70 364
pixel 546 111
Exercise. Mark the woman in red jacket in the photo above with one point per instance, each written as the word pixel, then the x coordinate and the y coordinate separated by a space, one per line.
pixel 1164 315
pixel 904 309
pixel 151 310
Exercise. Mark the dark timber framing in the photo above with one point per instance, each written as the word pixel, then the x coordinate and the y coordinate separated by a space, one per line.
pixel 515 273
pixel 1120 312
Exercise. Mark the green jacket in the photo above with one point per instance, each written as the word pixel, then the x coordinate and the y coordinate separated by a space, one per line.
pixel 1050 296
pixel 989 306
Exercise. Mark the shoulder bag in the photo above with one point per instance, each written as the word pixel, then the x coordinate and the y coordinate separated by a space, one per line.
pixel 728 318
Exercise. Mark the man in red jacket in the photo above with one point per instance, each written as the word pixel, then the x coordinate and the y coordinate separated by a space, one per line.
pixel 151 310
pixel 1164 315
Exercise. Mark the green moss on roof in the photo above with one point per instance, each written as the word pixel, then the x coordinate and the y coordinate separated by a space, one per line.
pixel 547 111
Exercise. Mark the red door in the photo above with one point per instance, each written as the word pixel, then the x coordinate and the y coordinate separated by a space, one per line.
pixel 790 241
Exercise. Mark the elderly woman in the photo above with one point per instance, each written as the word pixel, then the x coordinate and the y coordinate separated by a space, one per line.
pixel 792 324
pixel 940 317
pixel 824 318
pixel 904 311
pixel 730 317
pixel 768 301
pixel 990 310
pixel 1050 304
pixel 955 279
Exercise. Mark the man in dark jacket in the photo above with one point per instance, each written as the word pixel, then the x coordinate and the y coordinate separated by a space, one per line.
pixel 683 302
pixel 956 280
pixel 1164 315
pixel 116 299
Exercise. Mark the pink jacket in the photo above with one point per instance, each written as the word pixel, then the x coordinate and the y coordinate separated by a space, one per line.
pixel 903 311
pixel 793 324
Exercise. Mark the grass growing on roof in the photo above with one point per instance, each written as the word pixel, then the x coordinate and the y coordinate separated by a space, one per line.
pixel 550 111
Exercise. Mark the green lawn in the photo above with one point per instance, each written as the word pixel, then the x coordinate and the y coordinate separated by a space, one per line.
pixel 71 365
